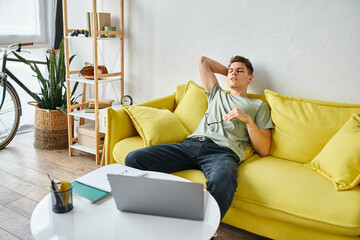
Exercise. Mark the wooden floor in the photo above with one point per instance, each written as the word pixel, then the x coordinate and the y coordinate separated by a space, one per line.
pixel 23 183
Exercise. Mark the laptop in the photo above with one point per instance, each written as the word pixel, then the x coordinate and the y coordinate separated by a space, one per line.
pixel 159 197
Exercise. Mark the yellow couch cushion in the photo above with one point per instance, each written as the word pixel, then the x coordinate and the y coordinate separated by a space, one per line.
pixel 285 190
pixel 156 126
pixel 123 147
pixel 339 161
pixel 302 127
pixel 192 106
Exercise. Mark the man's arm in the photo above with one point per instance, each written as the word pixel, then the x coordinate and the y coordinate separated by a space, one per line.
pixel 260 138
pixel 208 68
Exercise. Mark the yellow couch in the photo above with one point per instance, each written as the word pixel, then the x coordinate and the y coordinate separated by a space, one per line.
pixel 280 196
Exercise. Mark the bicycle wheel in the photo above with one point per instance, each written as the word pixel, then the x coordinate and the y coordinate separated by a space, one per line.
pixel 9 115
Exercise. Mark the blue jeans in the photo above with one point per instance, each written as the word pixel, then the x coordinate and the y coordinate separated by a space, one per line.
pixel 218 163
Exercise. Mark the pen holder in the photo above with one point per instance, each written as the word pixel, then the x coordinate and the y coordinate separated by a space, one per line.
pixel 61 201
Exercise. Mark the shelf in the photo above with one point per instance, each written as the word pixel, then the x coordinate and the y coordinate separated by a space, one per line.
pixel 83 114
pixel 91 116
pixel 74 76
pixel 83 148
pixel 81 79
pixel 117 37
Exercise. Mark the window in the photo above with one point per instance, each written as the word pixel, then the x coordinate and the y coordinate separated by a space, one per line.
pixel 21 21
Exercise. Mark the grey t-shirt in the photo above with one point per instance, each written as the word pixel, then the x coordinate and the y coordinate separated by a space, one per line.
pixel 232 134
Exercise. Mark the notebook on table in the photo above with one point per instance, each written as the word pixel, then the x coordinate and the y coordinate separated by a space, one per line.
pixel 95 186
pixel 159 197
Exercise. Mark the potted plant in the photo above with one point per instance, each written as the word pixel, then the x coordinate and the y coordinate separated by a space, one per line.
pixel 51 128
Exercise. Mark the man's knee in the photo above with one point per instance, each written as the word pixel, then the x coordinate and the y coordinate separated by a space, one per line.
pixel 133 158
pixel 224 178
pixel 221 184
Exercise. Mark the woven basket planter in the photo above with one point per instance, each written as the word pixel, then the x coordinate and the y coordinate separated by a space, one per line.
pixel 51 129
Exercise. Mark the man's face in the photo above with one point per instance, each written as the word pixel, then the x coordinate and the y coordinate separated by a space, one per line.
pixel 238 75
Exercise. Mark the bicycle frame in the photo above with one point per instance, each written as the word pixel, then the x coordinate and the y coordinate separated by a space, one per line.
pixel 11 110
pixel 6 72
pixel 13 77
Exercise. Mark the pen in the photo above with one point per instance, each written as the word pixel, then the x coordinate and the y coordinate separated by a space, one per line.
pixel 59 200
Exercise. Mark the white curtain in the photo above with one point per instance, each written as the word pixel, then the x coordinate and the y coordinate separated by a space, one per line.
pixel 27 21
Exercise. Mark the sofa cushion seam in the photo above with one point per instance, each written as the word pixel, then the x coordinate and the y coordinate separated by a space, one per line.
pixel 295 214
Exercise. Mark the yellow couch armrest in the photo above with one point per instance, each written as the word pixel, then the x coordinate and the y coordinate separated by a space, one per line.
pixel 120 126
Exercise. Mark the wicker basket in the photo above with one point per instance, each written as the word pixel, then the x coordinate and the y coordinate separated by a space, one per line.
pixel 51 129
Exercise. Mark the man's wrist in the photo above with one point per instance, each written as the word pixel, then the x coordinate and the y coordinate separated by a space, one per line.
pixel 249 122
pixel 224 71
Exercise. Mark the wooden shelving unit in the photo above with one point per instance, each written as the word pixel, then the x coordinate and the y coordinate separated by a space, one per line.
pixel 73 76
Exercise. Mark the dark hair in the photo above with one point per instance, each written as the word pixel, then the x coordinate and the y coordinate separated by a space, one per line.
pixel 244 61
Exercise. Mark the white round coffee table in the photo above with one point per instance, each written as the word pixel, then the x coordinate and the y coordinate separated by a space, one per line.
pixel 102 220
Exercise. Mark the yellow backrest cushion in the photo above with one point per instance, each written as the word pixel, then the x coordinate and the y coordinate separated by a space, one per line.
pixel 156 126
pixel 339 160
pixel 302 127
pixel 192 106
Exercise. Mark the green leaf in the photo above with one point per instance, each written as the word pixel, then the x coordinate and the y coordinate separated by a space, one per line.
pixel 21 58
pixel 74 89
pixel 53 90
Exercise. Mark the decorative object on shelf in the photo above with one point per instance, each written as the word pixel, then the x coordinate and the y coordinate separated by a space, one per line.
pixel 88 23
pixel 103 103
pixel 126 100
pixel 51 131
pixel 76 32
pixel 103 19
pixel 86 135
pixel 88 71
pixel 108 28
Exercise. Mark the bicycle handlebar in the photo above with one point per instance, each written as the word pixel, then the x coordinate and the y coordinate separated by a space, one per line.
pixel 19 46
pixel 26 44
pixel 23 44
pixel 8 50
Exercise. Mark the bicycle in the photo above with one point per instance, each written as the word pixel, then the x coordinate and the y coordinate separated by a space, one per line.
pixel 10 105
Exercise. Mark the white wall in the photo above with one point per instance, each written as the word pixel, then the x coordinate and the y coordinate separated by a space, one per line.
pixel 305 48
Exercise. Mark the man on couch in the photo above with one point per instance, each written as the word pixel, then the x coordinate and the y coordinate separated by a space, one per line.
pixel 218 144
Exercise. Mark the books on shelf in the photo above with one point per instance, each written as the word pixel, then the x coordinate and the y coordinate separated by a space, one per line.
pixel 103 103
pixel 95 186
pixel 103 19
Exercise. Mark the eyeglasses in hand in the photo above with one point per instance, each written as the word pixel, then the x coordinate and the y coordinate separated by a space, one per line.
pixel 209 124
